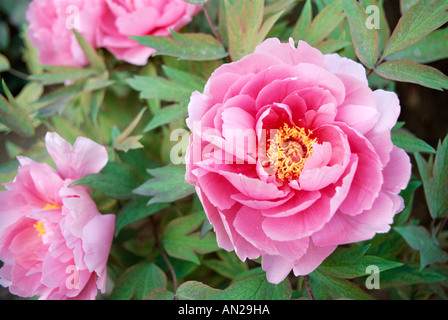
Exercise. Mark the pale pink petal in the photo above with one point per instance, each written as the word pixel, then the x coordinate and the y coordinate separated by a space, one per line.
pixel 312 259
pixel 397 172
pixel 85 157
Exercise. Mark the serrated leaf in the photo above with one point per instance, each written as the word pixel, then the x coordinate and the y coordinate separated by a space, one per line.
pixel 159 88
pixel 116 180
pixel 180 240
pixel 135 210
pixel 326 287
pixel 408 71
pixel 434 175
pixel 255 287
pixel 353 263
pixel 168 184
pixel 187 46
pixel 431 48
pixel 365 40
pixel 419 20
pixel 410 143
pixel 138 281
pixel 419 239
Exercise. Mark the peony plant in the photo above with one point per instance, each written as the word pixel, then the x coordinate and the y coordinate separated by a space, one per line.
pixel 223 150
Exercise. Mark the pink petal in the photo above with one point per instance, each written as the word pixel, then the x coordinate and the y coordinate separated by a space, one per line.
pixel 344 229
pixel 342 65
pixel 397 172
pixel 85 157
pixel 312 259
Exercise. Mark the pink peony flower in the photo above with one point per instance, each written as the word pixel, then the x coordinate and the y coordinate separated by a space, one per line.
pixel 53 241
pixel 51 24
pixel 291 156
pixel 124 18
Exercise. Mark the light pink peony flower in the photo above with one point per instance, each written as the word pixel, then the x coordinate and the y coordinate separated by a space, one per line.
pixel 291 156
pixel 124 18
pixel 53 241
pixel 51 24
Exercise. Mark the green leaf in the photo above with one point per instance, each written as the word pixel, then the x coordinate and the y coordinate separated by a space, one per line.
pixel 431 48
pixel 138 281
pixel 434 175
pixel 125 142
pixel 410 143
pixel 256 287
pixel 4 63
pixel 61 74
pixel 419 239
pixel 166 115
pixel 187 46
pixel 228 264
pixel 326 287
pixel 159 88
pixel 408 71
pixel 92 55
pixel 14 116
pixel 409 274
pixel 245 26
pixel 187 79
pixel 408 197
pixel 304 21
pixel 194 290
pixel 353 263
pixel 135 210
pixel 324 23
pixel 180 240
pixel 406 4
pixel 168 184
pixel 116 180
pixel 422 18
pixel 365 40
pixel 332 45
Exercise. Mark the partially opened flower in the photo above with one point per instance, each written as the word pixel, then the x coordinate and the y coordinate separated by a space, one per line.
pixel 291 156
pixel 54 243
pixel 51 24
pixel 124 18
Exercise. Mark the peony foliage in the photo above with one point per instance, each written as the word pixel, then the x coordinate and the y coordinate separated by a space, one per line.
pixel 222 150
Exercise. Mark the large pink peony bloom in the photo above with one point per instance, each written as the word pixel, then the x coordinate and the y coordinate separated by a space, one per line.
pixel 124 18
pixel 51 24
pixel 291 156
pixel 53 241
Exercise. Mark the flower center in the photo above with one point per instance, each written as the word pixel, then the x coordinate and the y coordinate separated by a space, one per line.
pixel 288 151
pixel 52 206
pixel 39 226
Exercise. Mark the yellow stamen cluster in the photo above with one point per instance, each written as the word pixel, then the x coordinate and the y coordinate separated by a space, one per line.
pixel 288 151
pixel 52 206
pixel 39 226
